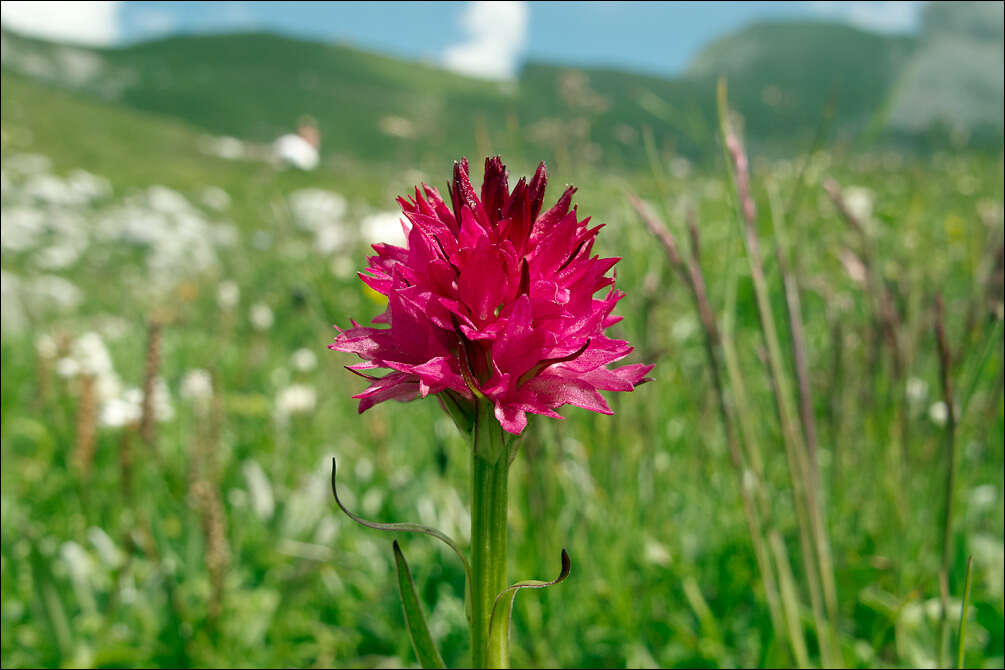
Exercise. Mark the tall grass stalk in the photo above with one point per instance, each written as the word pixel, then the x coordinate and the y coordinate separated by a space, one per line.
pixel 945 373
pixel 86 426
pixel 790 597
pixel 794 312
pixel 691 275
pixel 149 376
pixel 813 538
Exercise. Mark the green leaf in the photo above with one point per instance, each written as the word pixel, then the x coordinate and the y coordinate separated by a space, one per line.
pixel 402 528
pixel 502 611
pixel 422 642
pixel 963 612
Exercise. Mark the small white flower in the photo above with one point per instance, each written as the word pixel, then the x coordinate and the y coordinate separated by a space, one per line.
pixel 656 553
pixel 261 317
pixel 296 399
pixel 684 328
pixel 938 413
pixel 314 207
pixel 46 346
pixel 162 406
pixel 983 496
pixel 122 411
pixel 67 367
pixel 89 350
pixel 228 294
pixel 260 489
pixel 329 238
pixel 917 390
pixel 215 197
pixel 197 387
pixel 859 201
pixel 110 555
pixel 304 360
pixel 126 409
pixel 77 560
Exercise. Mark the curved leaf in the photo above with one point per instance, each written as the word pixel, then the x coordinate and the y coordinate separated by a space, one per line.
pixel 418 631
pixel 402 527
pixel 502 611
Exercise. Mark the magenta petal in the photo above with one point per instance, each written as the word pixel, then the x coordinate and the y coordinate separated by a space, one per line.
pixel 395 386
pixel 512 420
pixel 555 391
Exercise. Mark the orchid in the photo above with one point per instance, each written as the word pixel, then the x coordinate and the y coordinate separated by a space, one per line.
pixel 493 298
pixel 492 308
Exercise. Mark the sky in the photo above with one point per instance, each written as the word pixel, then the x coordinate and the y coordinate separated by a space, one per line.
pixel 483 39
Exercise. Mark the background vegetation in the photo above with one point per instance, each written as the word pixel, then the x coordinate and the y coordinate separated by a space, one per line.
pixel 206 535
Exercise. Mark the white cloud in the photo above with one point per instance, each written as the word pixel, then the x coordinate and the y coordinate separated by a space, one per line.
pixel 887 17
pixel 495 36
pixel 95 23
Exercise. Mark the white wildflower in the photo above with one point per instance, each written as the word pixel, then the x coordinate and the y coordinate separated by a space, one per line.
pixel 859 201
pixel 657 553
pixel 197 387
pixel 330 237
pixel 67 367
pixel 162 406
pixel 917 390
pixel 215 197
pixel 313 208
pixel 46 346
pixel 938 413
pixel 228 294
pixel 124 410
pixel 260 490
pixel 304 360
pixel 296 399
pixel 261 317
pixel 983 496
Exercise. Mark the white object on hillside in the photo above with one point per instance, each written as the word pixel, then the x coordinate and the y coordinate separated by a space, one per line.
pixel 294 150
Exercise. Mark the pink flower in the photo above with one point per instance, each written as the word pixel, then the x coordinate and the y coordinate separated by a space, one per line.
pixel 493 298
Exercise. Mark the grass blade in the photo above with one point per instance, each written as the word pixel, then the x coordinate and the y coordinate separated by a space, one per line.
pixel 418 631
pixel 502 610
pixel 963 615
pixel 402 527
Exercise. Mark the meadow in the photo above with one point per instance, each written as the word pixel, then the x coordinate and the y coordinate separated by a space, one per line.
pixel 171 411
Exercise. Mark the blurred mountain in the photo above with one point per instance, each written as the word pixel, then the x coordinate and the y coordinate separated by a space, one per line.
pixel 782 77
pixel 955 77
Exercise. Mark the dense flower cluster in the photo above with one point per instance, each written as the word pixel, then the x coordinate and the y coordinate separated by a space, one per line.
pixel 493 298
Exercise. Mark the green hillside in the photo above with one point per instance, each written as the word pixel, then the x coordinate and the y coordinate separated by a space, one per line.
pixel 379 109
pixel 787 73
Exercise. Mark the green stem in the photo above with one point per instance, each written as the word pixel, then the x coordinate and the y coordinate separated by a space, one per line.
pixel 489 471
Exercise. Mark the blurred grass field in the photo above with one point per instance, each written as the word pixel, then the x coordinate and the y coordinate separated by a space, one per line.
pixel 219 544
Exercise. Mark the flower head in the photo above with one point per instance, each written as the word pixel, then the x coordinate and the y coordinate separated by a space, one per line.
pixel 493 298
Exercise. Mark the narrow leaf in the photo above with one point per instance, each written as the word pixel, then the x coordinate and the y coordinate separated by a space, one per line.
pixel 502 611
pixel 402 527
pixel 963 615
pixel 418 631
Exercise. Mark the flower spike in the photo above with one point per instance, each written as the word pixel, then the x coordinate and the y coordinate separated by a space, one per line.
pixel 494 297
